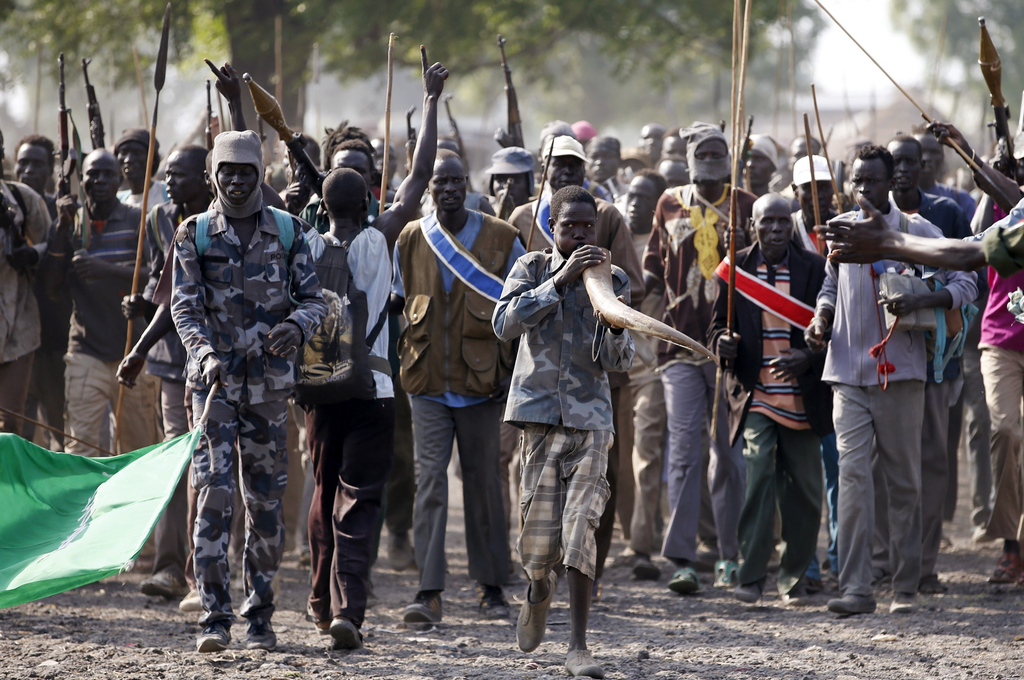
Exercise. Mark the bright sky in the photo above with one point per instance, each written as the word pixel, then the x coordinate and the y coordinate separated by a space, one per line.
pixel 838 59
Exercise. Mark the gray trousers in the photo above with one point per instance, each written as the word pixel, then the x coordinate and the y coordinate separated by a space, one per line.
pixel 648 452
pixel 171 532
pixel 889 422
pixel 934 475
pixel 689 395
pixel 435 428
pixel 977 429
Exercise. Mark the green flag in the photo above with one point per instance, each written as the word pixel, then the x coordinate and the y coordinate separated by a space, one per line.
pixel 66 520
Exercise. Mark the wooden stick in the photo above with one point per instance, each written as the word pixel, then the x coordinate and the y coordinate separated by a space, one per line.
pixel 824 150
pixel 792 63
pixel 814 182
pixel 223 124
pixel 924 114
pixel 278 60
pixel 39 86
pixel 158 83
pixel 142 88
pixel 543 182
pixel 387 124
pixel 54 430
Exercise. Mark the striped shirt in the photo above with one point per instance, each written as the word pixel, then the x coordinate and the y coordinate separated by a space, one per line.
pixel 777 399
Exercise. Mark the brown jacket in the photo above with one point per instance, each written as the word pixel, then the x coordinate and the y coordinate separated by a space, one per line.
pixel 612 233
pixel 449 345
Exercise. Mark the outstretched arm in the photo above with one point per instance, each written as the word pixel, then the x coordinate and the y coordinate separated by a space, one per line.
pixel 1001 188
pixel 866 241
pixel 406 204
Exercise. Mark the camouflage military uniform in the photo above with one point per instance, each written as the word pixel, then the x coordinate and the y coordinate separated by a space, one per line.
pixel 561 398
pixel 226 302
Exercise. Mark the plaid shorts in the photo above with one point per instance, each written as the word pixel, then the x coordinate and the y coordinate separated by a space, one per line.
pixel 564 491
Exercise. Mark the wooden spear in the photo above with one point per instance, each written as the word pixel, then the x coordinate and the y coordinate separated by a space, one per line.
pixel 158 83
pixel 543 182
pixel 924 114
pixel 387 120
pixel 142 88
pixel 814 181
pixel 824 151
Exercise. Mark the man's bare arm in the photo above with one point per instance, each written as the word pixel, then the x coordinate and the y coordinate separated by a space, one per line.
pixel 405 206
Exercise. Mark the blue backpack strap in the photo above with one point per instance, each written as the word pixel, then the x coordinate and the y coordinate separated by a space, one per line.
pixel 285 227
pixel 203 233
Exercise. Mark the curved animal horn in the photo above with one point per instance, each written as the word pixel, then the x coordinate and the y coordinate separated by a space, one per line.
pixel 598 281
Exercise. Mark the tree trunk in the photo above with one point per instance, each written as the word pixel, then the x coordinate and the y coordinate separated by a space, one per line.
pixel 250 26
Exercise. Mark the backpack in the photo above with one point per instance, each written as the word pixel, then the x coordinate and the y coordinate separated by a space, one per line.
pixel 336 364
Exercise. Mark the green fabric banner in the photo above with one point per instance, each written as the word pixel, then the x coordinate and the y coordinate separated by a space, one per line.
pixel 66 520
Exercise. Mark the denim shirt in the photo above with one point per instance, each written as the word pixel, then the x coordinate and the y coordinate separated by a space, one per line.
pixel 557 379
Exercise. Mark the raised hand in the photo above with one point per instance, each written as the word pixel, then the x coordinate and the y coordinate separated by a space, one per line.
pixel 228 82
pixel 857 240
pixel 581 258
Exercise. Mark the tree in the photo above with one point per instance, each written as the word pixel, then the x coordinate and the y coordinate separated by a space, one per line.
pixel 653 37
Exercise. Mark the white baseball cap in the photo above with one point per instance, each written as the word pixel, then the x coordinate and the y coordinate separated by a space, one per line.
pixel 567 146
pixel 802 170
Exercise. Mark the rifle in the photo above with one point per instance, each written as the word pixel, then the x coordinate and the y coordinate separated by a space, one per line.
pixel 410 133
pixel 453 129
pixel 67 157
pixel 745 153
pixel 209 118
pixel 992 70
pixel 95 120
pixel 269 110
pixel 514 135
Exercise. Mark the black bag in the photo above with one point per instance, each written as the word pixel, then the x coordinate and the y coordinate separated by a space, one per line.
pixel 336 364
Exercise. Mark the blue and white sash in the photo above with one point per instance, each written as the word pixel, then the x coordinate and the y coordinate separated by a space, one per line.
pixel 459 260
pixel 543 213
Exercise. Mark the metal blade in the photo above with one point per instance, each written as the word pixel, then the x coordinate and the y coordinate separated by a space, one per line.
pixel 161 59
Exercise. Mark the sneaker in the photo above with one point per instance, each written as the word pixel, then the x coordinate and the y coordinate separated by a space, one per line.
pixel 216 637
pixel 749 593
pixel 797 596
pixel 684 581
pixel 533 617
pixel 260 635
pixel 400 553
pixel 848 605
pixel 492 602
pixel 903 603
pixel 345 634
pixel 425 609
pixel 931 585
pixel 164 584
pixel 191 602
pixel 726 574
pixel 580 664
pixel 644 569
pixel 1008 569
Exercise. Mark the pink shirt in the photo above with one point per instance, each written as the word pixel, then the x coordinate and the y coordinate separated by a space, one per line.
pixel 999 328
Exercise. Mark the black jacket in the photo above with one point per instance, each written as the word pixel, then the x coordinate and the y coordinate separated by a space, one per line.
pixel 807 273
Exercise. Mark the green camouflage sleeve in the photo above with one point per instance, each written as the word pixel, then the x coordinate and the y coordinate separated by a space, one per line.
pixel 524 300
pixel 1004 249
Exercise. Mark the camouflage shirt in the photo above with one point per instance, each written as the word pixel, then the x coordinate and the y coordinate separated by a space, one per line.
pixel 556 378
pixel 226 302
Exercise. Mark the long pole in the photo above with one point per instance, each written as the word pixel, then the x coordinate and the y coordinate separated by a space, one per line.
pixel 158 82
pixel 814 181
pixel 540 194
pixel 924 114
pixel 387 120
pixel 142 88
pixel 792 63
pixel 824 150
pixel 39 86
pixel 54 430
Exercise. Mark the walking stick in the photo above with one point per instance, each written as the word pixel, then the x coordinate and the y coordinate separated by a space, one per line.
pixel 737 138
pixel 814 181
pixel 824 151
pixel 53 429
pixel 142 88
pixel 387 121
pixel 543 181
pixel 158 83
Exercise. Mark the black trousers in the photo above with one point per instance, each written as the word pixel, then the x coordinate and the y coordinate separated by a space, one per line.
pixel 352 445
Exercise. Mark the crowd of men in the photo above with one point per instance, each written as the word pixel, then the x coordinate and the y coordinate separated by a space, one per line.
pixel 845 388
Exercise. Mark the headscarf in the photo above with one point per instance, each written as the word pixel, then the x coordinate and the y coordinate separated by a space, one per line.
pixel 242 148
pixel 705 170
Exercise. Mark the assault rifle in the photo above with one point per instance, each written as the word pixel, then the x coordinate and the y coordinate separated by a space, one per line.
pixel 95 119
pixel 514 135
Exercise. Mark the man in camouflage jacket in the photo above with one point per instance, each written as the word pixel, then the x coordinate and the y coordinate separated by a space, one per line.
pixel 242 307
pixel 561 399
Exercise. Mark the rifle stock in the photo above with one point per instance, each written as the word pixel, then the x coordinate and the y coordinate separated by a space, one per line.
pixel 514 135
pixel 96 133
